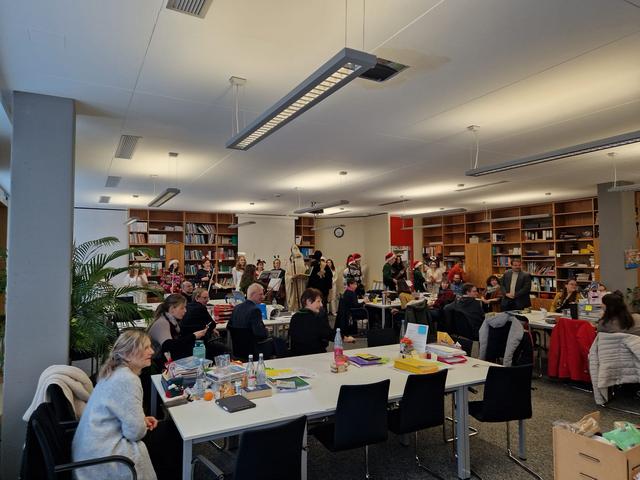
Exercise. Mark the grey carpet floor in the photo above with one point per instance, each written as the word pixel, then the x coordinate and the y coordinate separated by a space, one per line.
pixel 552 400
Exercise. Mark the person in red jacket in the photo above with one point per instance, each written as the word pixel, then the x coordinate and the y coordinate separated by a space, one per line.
pixel 569 349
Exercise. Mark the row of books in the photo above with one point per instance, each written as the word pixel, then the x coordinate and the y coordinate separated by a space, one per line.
pixel 226 240
pixel 200 228
pixel 140 257
pixel 137 238
pixel 198 238
pixel 157 238
pixel 501 262
pixel 538 234
pixel 536 268
pixel 138 227
pixel 168 228
pixel 225 253
pixel 196 254
pixel 543 284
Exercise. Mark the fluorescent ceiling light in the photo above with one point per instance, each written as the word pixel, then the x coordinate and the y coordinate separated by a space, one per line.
pixel 164 197
pixel 319 207
pixel 338 213
pixel 341 225
pixel 236 225
pixel 437 213
pixel 476 187
pixel 131 220
pixel 522 217
pixel 596 145
pixel 394 202
pixel 632 187
pixel 417 227
pixel 346 65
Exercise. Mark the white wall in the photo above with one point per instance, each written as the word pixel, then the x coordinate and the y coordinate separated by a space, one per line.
pixel 369 236
pixel 94 223
pixel 271 235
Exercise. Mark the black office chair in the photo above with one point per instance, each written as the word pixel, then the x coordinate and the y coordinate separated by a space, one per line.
pixel 507 397
pixel 422 406
pixel 360 419
pixel 52 456
pixel 360 314
pixel 62 408
pixel 273 453
pixel 243 343
pixel 382 336
pixel 497 343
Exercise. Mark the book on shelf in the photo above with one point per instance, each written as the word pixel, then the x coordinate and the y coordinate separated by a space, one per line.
pixel 138 227
pixel 157 238
pixel 200 238
pixel 498 237
pixel 200 228
pixel 197 254
pixel 538 234
pixel 137 238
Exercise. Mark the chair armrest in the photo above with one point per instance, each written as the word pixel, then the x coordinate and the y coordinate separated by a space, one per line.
pixel 98 461
pixel 219 474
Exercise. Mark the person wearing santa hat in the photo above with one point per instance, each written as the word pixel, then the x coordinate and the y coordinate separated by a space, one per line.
pixel 387 272
pixel 356 271
pixel 418 277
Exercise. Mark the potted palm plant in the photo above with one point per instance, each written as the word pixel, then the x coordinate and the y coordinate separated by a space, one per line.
pixel 95 302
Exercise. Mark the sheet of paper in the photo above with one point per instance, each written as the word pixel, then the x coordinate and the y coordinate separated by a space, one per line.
pixel 418 335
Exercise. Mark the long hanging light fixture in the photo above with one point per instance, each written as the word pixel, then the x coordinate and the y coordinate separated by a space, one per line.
pixel 345 66
pixel 168 193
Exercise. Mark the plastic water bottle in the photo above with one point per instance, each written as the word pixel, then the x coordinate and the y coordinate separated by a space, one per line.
pixel 338 349
pixel 261 372
pixel 199 386
pixel 251 373
pixel 199 351
pixel 403 328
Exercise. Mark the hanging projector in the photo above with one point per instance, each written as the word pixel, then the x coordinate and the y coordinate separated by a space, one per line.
pixel 318 208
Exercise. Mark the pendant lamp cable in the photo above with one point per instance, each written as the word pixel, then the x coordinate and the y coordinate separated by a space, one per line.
pixel 364 12
pixel 346 2
pixel 612 156
pixel 474 160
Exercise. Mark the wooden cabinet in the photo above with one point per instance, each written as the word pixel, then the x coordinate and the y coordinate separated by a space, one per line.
pixel 477 263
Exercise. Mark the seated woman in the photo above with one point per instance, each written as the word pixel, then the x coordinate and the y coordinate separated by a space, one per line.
pixel 565 297
pixel 114 423
pixel 309 330
pixel 616 317
pixel 165 330
pixel 492 295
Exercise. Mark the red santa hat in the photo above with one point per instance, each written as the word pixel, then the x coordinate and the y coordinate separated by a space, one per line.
pixel 416 264
pixel 356 256
pixel 388 256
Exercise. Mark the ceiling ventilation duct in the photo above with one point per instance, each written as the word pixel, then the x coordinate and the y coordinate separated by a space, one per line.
pixel 127 146
pixel 196 8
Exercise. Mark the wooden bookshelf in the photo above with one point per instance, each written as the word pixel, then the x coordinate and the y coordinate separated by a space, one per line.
pixel 305 236
pixel 555 240
pixel 188 237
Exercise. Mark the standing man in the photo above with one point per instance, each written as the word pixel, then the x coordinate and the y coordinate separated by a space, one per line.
pixel 516 286
pixel 387 272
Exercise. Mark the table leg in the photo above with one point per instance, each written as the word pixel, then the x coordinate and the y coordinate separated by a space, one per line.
pixel 383 319
pixel 462 432
pixel 303 459
pixel 522 440
pixel 186 459
pixel 154 401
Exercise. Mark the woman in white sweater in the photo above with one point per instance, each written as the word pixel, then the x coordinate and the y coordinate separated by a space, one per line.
pixel 114 423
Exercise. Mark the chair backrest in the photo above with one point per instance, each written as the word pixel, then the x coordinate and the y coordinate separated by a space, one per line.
pixel 462 325
pixel 422 404
pixel 62 408
pixel 382 336
pixel 497 342
pixel 55 447
pixel 243 343
pixel 466 344
pixel 507 394
pixel 417 312
pixel 271 453
pixel 361 415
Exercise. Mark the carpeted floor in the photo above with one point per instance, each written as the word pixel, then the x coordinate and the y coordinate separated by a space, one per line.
pixel 390 460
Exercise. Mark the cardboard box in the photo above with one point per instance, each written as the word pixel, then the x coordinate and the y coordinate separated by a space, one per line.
pixel 576 457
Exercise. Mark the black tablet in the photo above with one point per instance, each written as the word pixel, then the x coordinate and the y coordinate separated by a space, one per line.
pixel 235 403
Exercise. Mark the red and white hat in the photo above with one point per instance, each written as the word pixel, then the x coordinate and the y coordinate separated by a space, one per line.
pixel 388 256
pixel 416 264
pixel 356 256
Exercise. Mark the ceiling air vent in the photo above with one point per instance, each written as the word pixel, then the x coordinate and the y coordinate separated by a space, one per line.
pixel 196 8
pixel 104 199
pixel 112 182
pixel 127 146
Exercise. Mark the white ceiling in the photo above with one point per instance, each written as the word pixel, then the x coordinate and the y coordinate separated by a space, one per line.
pixel 534 75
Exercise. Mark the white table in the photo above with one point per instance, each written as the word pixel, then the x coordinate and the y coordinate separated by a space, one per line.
pixel 384 307
pixel 202 421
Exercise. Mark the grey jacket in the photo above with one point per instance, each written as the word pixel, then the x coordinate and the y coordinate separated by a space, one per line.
pixel 113 424
pixel 614 359
pixel 513 340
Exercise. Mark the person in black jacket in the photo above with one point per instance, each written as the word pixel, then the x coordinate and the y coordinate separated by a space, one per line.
pixel 469 306
pixel 165 330
pixel 204 274
pixel 309 330
pixel 320 276
pixel 348 301
pixel 196 318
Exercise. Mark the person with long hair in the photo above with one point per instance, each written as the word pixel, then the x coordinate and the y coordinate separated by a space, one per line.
pixel 137 278
pixel 165 330
pixel 616 317
pixel 433 277
pixel 172 278
pixel 114 422
pixel 565 297
pixel 309 329
pixel 204 274
pixel 332 301
pixel 492 294
pixel 248 277
pixel 238 270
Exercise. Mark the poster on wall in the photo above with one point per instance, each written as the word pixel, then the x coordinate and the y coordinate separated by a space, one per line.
pixel 631 258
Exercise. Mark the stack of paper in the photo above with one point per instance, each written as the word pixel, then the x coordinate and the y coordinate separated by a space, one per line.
pixel 366 360
pixel 444 351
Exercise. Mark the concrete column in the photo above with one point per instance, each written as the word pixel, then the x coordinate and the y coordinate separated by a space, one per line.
pixel 39 260
pixel 616 213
